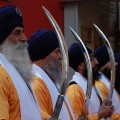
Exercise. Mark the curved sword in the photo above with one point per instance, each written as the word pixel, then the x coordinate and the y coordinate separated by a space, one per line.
pixel 65 64
pixel 112 62
pixel 89 68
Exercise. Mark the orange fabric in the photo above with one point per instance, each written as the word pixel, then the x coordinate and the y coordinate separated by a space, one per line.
pixel 9 101
pixel 45 116
pixel 93 117
pixel 44 98
pixel 77 98
pixel 43 95
pixel 102 87
pixel 115 116
pixel 104 91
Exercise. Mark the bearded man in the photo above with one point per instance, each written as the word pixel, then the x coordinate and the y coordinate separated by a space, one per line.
pixel 46 56
pixel 76 91
pixel 17 99
pixel 103 83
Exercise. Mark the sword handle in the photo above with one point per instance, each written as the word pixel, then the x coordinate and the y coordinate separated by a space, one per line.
pixel 82 117
pixel 108 103
pixel 110 93
pixel 58 106
pixel 84 113
pixel 53 118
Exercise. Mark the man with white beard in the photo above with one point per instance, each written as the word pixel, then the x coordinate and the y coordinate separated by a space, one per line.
pixel 17 99
pixel 46 56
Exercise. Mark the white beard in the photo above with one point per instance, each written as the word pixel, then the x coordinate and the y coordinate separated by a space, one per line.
pixel 54 71
pixel 19 57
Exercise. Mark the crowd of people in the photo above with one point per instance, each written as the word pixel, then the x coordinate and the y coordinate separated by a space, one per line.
pixel 30 75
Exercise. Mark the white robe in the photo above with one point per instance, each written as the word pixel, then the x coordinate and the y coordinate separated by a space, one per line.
pixel 28 104
pixel 64 115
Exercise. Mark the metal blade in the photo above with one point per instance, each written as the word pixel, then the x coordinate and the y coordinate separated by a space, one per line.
pixel 88 63
pixel 83 115
pixel 65 64
pixel 112 61
pixel 84 112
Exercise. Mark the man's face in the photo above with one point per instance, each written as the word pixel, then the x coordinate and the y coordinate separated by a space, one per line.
pixel 56 56
pixel 53 65
pixel 106 69
pixel 95 70
pixel 94 64
pixel 15 50
pixel 17 35
pixel 106 66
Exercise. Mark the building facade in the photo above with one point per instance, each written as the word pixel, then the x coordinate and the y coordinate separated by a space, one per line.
pixel 33 14
pixel 79 14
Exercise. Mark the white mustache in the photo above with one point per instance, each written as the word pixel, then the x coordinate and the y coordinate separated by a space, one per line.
pixel 21 45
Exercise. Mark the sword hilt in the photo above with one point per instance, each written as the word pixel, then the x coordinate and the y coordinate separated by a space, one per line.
pixel 84 113
pixel 58 106
pixel 82 117
pixel 53 118
pixel 108 103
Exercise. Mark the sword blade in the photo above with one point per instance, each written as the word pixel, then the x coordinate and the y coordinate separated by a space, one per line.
pixel 88 63
pixel 89 69
pixel 65 64
pixel 112 61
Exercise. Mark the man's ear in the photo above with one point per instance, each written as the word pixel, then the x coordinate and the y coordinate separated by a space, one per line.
pixel 81 66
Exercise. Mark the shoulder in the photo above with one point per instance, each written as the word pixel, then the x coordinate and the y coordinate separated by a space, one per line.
pixel 3 71
pixel 5 78
pixel 39 85
pixel 6 84
pixel 74 89
pixel 74 86
pixel 38 82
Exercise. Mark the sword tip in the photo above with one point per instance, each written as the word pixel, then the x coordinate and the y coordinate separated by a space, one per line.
pixel 94 25
pixel 44 8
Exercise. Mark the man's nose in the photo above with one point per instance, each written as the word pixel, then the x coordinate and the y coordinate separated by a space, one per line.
pixel 60 55
pixel 23 37
pixel 96 61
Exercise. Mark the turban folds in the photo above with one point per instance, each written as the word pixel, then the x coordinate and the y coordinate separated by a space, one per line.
pixel 76 56
pixel 10 17
pixel 42 43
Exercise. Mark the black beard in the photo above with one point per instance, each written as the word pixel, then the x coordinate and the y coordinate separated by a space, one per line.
pixel 96 74
pixel 107 73
pixel 85 73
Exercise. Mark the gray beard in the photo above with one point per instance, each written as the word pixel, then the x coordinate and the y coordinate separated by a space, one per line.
pixel 54 72
pixel 18 56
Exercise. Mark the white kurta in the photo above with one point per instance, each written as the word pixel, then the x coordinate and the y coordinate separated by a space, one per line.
pixel 28 104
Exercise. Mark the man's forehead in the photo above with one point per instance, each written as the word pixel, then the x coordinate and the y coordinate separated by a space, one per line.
pixel 57 49
pixel 18 29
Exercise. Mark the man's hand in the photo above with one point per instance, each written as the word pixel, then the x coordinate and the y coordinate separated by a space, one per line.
pixel 51 118
pixel 82 117
pixel 105 111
